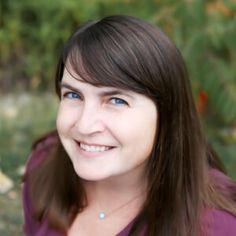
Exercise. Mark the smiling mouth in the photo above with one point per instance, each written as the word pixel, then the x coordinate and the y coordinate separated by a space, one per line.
pixel 93 148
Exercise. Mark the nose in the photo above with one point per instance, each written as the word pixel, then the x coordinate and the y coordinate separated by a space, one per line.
pixel 90 120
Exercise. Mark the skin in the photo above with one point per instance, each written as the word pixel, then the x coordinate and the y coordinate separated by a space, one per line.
pixel 108 134
pixel 122 125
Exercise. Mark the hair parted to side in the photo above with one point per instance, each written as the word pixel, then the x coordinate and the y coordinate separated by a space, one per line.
pixel 129 53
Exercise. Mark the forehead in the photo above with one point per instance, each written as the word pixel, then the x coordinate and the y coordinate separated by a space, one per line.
pixel 69 75
pixel 75 81
pixel 79 85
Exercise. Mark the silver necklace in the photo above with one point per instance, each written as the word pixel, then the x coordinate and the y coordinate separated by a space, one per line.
pixel 102 215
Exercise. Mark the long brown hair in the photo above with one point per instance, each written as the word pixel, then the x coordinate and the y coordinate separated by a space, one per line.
pixel 129 53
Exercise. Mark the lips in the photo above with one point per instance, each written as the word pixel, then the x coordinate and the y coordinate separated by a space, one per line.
pixel 93 148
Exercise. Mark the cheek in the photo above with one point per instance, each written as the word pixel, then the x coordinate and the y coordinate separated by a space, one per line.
pixel 148 128
pixel 65 119
pixel 146 134
pixel 138 130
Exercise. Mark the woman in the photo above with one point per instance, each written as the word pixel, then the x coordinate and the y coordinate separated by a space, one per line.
pixel 128 157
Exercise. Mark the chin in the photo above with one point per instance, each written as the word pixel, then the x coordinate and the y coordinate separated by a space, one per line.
pixel 91 175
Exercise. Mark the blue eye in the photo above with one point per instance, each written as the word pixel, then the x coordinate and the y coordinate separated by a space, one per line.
pixel 71 95
pixel 118 101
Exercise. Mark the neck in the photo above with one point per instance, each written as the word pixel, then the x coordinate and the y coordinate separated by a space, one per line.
pixel 120 190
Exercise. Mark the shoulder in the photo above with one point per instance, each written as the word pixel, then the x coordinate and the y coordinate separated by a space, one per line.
pixel 219 222
pixel 223 183
pixel 224 220
pixel 41 149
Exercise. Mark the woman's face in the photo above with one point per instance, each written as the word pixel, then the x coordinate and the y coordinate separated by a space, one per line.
pixel 107 132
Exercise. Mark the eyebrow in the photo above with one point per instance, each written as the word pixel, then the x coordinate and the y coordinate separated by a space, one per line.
pixel 68 86
pixel 111 92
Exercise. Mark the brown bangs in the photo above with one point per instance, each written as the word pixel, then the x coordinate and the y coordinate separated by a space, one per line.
pixel 101 56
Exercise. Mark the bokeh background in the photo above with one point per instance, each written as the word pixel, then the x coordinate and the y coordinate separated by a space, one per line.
pixel 31 37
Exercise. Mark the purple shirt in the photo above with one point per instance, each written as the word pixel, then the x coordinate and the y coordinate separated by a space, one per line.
pixel 215 222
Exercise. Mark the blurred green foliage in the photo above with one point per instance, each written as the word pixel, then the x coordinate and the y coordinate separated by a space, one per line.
pixel 32 34
pixel 23 117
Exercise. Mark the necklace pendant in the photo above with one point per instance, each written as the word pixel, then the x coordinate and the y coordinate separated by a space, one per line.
pixel 101 215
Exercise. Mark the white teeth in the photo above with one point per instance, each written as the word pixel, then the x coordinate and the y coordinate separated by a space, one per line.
pixel 91 148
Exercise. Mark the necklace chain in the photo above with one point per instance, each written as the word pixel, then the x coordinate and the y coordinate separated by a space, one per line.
pixel 102 215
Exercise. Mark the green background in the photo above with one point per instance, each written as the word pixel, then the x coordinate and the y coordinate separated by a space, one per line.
pixel 31 37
